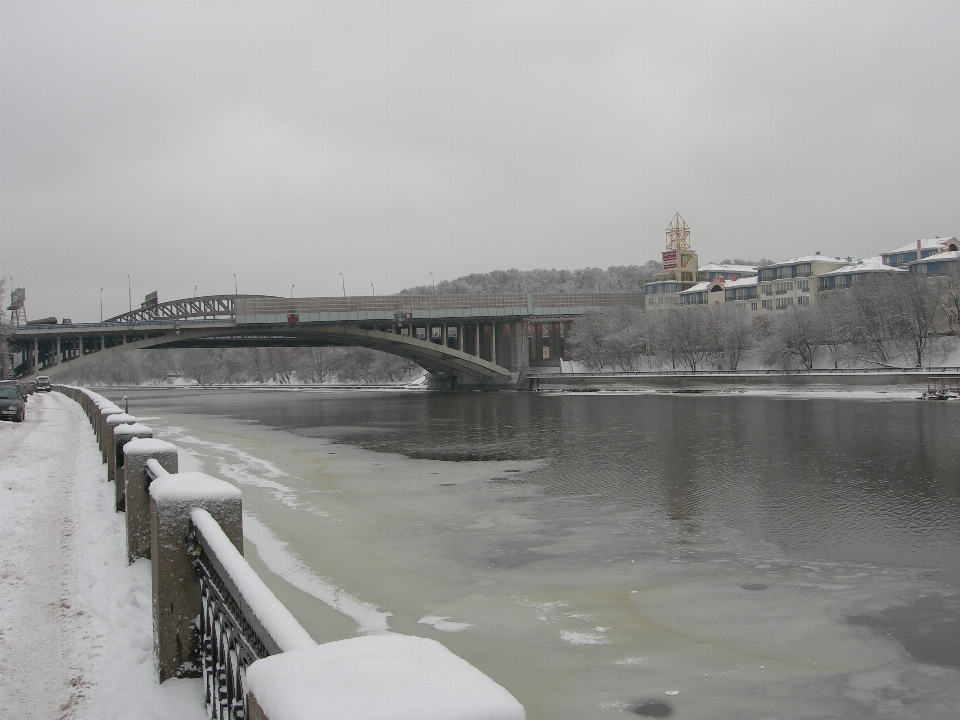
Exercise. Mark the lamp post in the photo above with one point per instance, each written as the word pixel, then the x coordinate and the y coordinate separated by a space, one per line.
pixel 235 284
pixel 343 282
pixel 373 290
pixel 129 294
pixel 101 304
pixel 434 281
pixel 291 290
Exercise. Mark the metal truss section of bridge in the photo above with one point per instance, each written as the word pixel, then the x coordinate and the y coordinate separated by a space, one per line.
pixel 463 340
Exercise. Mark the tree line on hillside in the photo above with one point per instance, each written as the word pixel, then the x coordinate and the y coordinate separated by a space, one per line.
pixel 903 320
pixel 617 278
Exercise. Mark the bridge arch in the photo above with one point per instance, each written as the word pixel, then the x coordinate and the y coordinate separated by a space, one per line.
pixel 510 332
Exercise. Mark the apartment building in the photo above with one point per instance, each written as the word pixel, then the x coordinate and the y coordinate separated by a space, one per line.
pixel 718 271
pixel 919 250
pixel 855 273
pixel 793 282
pixel 939 264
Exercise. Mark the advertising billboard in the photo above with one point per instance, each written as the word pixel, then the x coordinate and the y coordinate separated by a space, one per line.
pixel 669 259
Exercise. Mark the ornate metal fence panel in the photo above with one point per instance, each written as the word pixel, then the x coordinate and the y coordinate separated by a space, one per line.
pixel 228 642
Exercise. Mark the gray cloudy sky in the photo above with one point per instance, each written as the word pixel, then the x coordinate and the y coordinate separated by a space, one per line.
pixel 180 143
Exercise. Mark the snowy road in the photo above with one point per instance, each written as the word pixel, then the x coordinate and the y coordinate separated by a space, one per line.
pixel 75 625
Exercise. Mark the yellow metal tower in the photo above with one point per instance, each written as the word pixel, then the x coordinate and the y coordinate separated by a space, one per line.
pixel 679 261
pixel 678 234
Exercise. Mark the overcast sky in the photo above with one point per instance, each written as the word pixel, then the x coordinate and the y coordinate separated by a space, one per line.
pixel 181 143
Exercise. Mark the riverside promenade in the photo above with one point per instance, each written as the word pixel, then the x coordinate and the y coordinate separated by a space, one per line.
pixel 75 619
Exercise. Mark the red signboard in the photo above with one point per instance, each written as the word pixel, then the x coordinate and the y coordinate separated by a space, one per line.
pixel 669 259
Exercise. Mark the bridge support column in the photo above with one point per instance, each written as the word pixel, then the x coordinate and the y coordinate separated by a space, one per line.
pixel 476 339
pixel 493 343
pixel 460 337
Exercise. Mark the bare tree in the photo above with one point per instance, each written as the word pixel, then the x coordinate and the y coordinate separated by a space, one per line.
pixel 794 339
pixel 917 309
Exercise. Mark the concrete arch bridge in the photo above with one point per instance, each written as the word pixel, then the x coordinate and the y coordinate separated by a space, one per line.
pixel 464 341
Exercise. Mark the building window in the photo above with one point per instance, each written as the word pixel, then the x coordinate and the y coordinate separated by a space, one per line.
pixel 767 304
pixel 803 300
pixel 753 306
pixel 803 285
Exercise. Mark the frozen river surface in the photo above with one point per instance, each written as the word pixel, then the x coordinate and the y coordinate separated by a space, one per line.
pixel 698 556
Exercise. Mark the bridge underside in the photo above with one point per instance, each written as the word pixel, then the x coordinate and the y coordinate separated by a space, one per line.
pixel 459 356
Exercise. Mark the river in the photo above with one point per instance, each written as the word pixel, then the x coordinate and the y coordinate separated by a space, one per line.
pixel 706 556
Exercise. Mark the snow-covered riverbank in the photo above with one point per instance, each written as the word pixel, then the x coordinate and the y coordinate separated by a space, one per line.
pixel 75 623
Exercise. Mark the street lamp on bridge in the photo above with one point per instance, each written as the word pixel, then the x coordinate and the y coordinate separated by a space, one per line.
pixel 101 304
pixel 235 284
pixel 344 284
pixel 291 289
pixel 434 281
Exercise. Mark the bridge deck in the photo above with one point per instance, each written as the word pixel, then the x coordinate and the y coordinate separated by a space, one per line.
pixel 388 308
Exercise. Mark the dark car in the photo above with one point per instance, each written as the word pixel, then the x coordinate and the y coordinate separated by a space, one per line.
pixel 43 383
pixel 12 403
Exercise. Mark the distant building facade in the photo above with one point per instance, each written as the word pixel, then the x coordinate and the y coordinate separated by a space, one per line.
pixel 793 283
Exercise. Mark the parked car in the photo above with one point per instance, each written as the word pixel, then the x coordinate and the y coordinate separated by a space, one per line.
pixel 43 383
pixel 13 405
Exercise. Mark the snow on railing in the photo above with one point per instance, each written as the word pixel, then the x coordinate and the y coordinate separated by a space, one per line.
pixel 198 569
pixel 241 620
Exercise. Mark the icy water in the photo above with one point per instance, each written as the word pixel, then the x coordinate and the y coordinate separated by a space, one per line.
pixel 655 555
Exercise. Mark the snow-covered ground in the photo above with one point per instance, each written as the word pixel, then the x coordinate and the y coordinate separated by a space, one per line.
pixel 75 620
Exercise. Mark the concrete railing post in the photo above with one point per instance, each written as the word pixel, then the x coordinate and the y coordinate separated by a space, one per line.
pixel 176 592
pixel 136 489
pixel 122 434
pixel 104 409
pixel 107 441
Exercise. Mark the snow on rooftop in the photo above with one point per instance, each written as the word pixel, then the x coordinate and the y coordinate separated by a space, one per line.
pixel 866 265
pixel 809 259
pixel 699 287
pixel 192 487
pixel 272 614
pixel 742 282
pixel 733 269
pixel 939 257
pixel 378 677
pixel 925 244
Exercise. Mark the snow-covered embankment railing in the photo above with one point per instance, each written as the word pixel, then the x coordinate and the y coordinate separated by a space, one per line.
pixel 214 617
